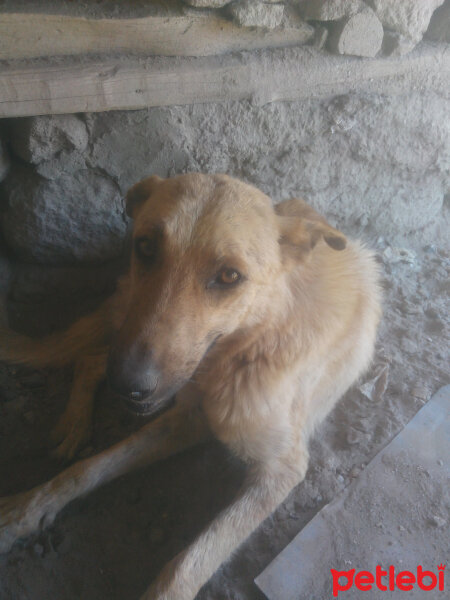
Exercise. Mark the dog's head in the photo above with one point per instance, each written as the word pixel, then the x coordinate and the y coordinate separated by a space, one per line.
pixel 209 258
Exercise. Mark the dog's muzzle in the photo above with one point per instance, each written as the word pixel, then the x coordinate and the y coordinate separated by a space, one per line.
pixel 134 378
pixel 136 403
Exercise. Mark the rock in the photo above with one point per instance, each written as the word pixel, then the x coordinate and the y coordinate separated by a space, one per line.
pixel 320 37
pixel 330 10
pixel 439 28
pixel 250 13
pixel 360 34
pixel 354 436
pixel 420 391
pixel 37 139
pixel 396 44
pixel 5 162
pixel 76 218
pixel 394 255
pixel 64 162
pixel 438 521
pixel 375 389
pixel 408 17
pixel 355 472
pixel 207 3
pixel 116 135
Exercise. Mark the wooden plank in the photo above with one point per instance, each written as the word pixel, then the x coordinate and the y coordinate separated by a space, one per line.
pixel 265 76
pixel 25 35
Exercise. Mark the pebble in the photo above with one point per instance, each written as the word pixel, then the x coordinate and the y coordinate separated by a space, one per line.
pixel 355 472
pixel 438 521
pixel 394 255
pixel 353 436
pixel 420 391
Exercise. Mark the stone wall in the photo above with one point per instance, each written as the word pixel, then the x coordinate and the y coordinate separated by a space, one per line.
pixel 354 27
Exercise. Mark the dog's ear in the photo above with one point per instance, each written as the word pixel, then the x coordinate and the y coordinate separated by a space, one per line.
pixel 301 227
pixel 140 192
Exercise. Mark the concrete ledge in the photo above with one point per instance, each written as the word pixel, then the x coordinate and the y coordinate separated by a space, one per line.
pixel 66 86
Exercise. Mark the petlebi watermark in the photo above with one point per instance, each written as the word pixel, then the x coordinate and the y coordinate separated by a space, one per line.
pixel 388 580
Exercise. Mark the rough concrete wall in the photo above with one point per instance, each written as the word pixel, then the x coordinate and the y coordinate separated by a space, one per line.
pixel 376 165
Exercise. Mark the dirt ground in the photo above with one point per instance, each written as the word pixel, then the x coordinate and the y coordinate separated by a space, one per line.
pixel 112 543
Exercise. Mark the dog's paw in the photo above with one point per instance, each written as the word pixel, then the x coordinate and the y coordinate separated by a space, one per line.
pixel 69 436
pixel 173 583
pixel 20 515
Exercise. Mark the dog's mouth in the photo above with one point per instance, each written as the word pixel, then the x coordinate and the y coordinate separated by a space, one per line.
pixel 146 406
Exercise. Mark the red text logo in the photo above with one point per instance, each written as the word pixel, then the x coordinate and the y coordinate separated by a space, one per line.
pixel 388 580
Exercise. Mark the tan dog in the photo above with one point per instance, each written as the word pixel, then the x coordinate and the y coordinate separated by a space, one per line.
pixel 269 314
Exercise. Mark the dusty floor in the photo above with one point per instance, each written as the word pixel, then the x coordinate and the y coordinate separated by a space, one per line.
pixel 111 544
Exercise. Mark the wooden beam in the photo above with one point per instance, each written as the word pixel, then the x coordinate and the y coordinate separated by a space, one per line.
pixel 24 35
pixel 39 88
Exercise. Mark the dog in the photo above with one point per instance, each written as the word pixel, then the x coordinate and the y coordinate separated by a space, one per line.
pixel 257 318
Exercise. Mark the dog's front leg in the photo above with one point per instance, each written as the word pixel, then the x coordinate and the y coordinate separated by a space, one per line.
pixel 74 428
pixel 177 429
pixel 265 488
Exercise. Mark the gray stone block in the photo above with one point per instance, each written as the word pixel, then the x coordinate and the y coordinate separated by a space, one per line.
pixel 439 28
pixel 252 13
pixel 408 17
pixel 360 34
pixel 376 164
pixel 396 44
pixel 330 10
pixel 132 145
pixel 37 139
pixel 76 218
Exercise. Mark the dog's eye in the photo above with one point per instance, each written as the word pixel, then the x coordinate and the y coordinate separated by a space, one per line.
pixel 228 277
pixel 146 248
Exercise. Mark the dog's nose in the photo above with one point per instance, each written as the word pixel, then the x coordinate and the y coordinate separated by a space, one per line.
pixel 132 374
